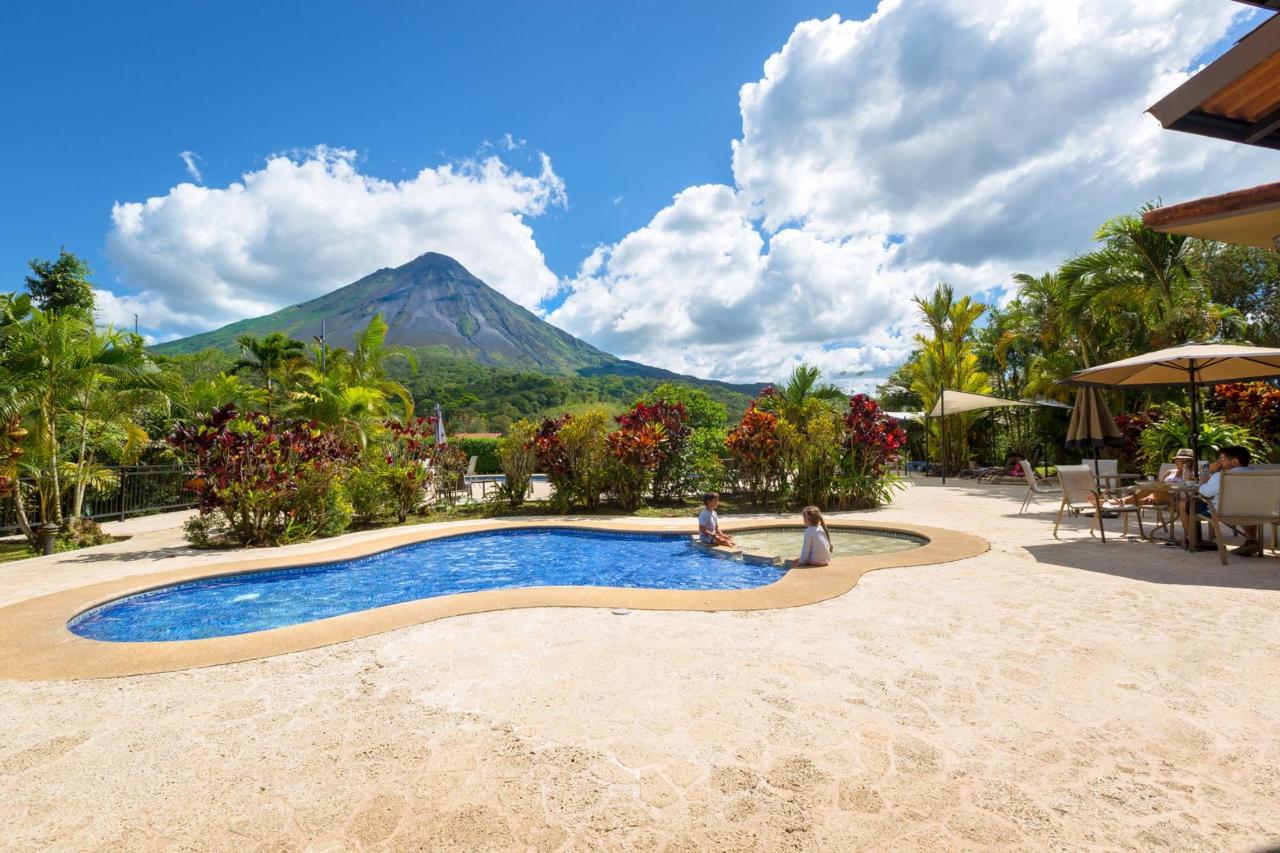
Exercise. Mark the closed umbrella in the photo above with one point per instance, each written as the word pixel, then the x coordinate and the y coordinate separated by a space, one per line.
pixel 1192 364
pixel 440 436
pixel 1093 426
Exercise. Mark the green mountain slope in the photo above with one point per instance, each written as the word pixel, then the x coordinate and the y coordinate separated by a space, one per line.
pixel 435 305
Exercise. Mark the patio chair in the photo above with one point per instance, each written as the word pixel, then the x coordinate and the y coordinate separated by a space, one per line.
pixel 1080 493
pixel 470 477
pixel 1103 467
pixel 1036 485
pixel 1247 499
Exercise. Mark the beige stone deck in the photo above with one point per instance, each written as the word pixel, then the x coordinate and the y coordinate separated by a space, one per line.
pixel 1045 694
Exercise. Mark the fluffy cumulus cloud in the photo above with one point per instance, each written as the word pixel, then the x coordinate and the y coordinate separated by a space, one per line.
pixel 307 223
pixel 938 140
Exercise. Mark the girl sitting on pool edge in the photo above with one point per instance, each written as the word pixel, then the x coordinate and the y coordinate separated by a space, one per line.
pixel 816 548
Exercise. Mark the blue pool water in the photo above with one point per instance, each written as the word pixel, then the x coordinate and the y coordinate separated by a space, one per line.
pixel 239 604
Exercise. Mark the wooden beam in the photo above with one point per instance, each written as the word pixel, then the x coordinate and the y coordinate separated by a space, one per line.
pixel 1264 127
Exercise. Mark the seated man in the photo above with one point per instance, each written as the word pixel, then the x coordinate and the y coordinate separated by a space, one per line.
pixel 1230 459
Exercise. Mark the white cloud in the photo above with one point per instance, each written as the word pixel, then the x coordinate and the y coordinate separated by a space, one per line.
pixel 936 140
pixel 189 159
pixel 306 223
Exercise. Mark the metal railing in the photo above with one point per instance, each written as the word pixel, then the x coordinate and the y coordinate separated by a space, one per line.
pixel 139 490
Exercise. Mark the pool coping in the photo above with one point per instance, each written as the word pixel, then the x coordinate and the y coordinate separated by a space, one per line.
pixel 36 645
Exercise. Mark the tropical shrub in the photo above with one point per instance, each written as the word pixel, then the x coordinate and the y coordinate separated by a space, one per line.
pixel 322 507
pixel 637 452
pixel 408 451
pixel 671 472
pixel 1254 405
pixel 574 452
pixel 756 451
pixel 368 487
pixel 548 447
pixel 1131 427
pixel 1161 440
pixel 872 442
pixel 586 450
pixel 517 458
pixel 274 480
pixel 448 470
pixel 812 448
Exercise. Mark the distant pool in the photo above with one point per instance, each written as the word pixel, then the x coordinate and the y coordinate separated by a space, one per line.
pixel 506 559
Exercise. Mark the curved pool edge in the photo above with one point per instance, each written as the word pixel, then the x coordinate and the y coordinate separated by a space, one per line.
pixel 37 645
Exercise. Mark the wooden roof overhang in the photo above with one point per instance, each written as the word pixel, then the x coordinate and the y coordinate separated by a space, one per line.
pixel 1245 217
pixel 1237 96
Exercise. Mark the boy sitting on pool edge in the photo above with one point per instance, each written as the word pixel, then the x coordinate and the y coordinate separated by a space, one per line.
pixel 709 522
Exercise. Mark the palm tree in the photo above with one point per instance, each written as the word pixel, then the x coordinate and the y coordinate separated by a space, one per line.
pixel 204 395
pixel 948 359
pixel 103 404
pixel 366 364
pixel 269 357
pixel 354 411
pixel 50 364
pixel 805 383
pixel 1142 279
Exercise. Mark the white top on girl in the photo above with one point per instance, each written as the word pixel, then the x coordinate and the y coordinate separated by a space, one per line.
pixel 816 549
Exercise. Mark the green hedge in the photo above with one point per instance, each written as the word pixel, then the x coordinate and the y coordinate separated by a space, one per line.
pixel 486 452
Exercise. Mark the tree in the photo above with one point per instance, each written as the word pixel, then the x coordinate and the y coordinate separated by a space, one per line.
pixel 701 408
pixel 948 360
pixel 1246 279
pixel 366 364
pixel 52 362
pixel 103 404
pixel 805 383
pixel 1146 272
pixel 61 285
pixel 271 358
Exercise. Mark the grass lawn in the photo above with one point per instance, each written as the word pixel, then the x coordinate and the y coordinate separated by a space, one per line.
pixel 15 549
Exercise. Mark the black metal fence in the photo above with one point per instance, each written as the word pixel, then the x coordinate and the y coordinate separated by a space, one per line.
pixel 139 490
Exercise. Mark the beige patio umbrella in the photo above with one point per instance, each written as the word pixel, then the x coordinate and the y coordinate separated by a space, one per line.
pixel 1191 364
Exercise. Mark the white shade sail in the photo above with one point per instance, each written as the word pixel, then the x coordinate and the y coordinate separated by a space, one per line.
pixel 954 402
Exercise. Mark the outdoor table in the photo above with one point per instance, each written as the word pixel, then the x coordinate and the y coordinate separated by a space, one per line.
pixel 1116 479
pixel 1163 488
pixel 1187 493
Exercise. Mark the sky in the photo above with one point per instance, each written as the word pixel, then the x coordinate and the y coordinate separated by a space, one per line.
pixel 723 189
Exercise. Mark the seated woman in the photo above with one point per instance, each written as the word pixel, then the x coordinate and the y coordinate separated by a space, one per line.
pixel 816 548
pixel 1183 467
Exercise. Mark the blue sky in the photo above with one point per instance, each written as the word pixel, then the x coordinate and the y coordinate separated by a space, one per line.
pixel 631 101
pixel 724 189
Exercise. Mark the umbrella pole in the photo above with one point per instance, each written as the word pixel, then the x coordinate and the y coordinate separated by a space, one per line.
pixel 942 452
pixel 1097 506
pixel 1195 419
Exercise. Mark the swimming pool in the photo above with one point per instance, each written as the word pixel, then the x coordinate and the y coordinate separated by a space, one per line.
pixel 784 542
pixel 506 559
